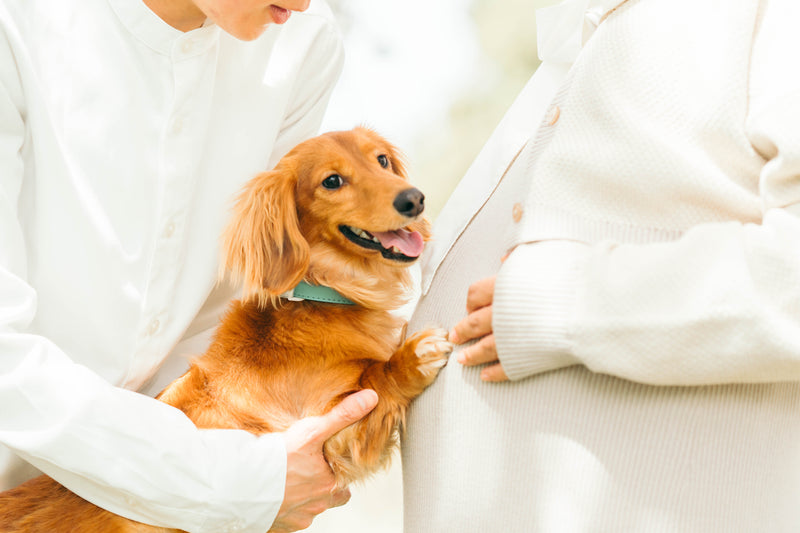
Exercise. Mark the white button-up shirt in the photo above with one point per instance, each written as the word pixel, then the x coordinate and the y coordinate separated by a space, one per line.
pixel 122 141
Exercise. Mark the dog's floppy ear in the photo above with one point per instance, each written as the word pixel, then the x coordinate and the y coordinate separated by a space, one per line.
pixel 262 246
pixel 398 161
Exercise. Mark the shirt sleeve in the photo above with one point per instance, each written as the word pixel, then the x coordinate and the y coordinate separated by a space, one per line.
pixel 124 451
pixel 719 305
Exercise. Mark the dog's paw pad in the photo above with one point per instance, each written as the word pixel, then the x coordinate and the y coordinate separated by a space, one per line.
pixel 432 352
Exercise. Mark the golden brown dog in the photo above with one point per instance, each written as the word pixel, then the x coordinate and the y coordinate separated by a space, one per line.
pixel 336 211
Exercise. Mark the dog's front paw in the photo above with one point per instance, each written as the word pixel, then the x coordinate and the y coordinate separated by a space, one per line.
pixel 432 350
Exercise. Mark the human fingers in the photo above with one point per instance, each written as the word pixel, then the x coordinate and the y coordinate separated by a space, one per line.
pixel 350 410
pixel 480 294
pixel 494 373
pixel 476 324
pixel 483 351
pixel 340 497
pixel 299 515
pixel 310 489
pixel 295 522
pixel 507 254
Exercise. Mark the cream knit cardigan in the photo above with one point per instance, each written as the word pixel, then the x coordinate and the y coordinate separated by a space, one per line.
pixel 652 302
pixel 674 170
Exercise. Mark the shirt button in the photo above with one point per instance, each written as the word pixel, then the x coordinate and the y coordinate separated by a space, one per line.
pixel 516 212
pixel 154 325
pixel 187 46
pixel 233 527
pixel 552 116
pixel 177 125
pixel 169 231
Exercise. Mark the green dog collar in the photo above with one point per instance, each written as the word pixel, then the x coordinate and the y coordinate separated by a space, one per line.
pixel 316 293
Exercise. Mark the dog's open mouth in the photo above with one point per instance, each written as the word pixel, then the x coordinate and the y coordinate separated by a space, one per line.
pixel 397 245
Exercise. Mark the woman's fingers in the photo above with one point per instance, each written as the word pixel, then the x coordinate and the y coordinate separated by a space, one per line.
pixel 480 294
pixel 483 351
pixel 477 324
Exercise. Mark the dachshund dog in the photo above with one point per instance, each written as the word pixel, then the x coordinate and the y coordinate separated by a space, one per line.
pixel 337 211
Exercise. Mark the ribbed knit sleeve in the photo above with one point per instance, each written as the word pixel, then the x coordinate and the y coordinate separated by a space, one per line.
pixel 719 305
pixel 533 303
pixel 716 306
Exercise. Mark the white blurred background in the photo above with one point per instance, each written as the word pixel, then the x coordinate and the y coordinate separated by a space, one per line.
pixel 434 77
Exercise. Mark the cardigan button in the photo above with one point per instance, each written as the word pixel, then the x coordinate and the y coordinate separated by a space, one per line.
pixel 553 115
pixel 516 212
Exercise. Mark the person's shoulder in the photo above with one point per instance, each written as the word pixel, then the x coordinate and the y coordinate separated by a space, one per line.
pixel 19 10
pixel 16 16
pixel 11 11
pixel 41 16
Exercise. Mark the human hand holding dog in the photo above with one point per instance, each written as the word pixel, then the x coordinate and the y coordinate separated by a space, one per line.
pixel 310 485
pixel 478 325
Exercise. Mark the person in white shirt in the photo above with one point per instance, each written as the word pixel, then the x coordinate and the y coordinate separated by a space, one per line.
pixel 126 127
pixel 634 364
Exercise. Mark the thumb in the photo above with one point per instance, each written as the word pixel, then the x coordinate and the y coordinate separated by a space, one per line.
pixel 350 410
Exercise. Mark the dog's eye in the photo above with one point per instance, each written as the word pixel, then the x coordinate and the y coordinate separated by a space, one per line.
pixel 334 181
pixel 383 160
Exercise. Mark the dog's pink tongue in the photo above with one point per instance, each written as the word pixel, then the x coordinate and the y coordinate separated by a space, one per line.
pixel 409 243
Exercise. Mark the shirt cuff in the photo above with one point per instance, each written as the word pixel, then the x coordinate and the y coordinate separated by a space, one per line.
pixel 534 296
pixel 254 495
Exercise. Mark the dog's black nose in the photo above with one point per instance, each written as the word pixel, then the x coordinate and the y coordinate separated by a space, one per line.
pixel 410 202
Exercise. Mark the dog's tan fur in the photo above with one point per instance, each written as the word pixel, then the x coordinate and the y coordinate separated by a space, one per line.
pixel 274 361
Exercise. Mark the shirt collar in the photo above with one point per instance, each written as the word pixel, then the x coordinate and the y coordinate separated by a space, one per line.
pixel 562 29
pixel 149 28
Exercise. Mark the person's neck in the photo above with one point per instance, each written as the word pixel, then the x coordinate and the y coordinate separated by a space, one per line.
pixel 182 15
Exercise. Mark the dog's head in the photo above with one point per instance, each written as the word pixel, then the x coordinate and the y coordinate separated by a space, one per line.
pixel 337 210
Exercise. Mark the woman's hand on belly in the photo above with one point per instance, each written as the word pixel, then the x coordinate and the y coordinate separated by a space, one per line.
pixel 478 326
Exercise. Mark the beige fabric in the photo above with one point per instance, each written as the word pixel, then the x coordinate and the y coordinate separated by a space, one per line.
pixel 678 172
